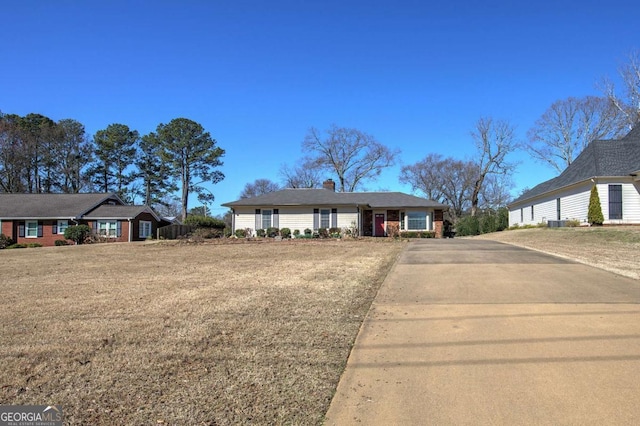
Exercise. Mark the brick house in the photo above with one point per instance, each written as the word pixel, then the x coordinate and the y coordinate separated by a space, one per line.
pixel 43 218
pixel 371 213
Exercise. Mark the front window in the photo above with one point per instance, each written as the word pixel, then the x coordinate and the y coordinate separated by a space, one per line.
pixel 62 226
pixel 615 202
pixel 325 218
pixel 145 229
pixel 108 228
pixel 416 221
pixel 31 229
pixel 266 219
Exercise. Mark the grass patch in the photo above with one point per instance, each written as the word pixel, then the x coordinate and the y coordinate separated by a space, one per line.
pixel 613 248
pixel 185 333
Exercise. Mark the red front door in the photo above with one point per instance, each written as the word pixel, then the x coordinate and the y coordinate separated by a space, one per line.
pixel 379 225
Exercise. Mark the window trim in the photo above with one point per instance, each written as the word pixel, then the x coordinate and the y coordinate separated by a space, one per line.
pixel 617 189
pixel 266 215
pixel 107 228
pixel 59 226
pixel 424 215
pixel 323 213
pixel 141 228
pixel 26 228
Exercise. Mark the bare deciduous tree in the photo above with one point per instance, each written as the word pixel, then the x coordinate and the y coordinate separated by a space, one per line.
pixel 569 125
pixel 353 156
pixel 628 101
pixel 305 175
pixel 259 187
pixel 445 180
pixel 494 141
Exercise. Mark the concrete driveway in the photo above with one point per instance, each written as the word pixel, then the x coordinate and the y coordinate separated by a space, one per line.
pixel 477 332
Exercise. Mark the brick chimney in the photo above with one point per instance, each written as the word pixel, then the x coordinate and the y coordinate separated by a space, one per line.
pixel 329 184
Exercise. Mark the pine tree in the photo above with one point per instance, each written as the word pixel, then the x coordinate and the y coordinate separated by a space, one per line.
pixel 595 216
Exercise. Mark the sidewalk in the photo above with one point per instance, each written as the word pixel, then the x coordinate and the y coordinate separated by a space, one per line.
pixel 478 332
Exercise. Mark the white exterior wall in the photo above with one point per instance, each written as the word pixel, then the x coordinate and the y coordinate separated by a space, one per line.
pixel 299 217
pixel 630 201
pixel 574 204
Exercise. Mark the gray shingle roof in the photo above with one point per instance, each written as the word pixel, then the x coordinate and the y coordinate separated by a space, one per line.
pixel 326 197
pixel 50 206
pixel 610 158
pixel 118 212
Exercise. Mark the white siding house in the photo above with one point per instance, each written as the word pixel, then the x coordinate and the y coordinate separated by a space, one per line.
pixel 368 213
pixel 612 166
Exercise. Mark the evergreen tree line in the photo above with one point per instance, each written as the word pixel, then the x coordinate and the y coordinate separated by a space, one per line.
pixel 40 155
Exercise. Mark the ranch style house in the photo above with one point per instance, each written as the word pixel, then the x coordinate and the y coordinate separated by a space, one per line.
pixel 43 218
pixel 613 166
pixel 369 213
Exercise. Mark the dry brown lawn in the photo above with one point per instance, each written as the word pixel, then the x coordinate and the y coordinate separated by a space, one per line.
pixel 611 248
pixel 155 333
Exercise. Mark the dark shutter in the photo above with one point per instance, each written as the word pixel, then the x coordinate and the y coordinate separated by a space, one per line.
pixel 334 218
pixel 275 219
pixel 54 228
pixel 316 218
pixel 94 226
pixel 20 229
pixel 119 228
pixel 258 219
pixel 40 230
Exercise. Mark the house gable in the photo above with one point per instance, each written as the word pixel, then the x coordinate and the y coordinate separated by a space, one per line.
pixel 611 165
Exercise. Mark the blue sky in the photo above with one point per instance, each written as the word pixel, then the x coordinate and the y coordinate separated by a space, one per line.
pixel 415 74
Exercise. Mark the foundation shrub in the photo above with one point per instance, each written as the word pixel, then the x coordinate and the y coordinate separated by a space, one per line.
pixel 5 241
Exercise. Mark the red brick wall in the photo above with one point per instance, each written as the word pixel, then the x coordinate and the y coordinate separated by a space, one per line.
pixel 124 235
pixel 7 228
pixel 438 223
pixel 48 237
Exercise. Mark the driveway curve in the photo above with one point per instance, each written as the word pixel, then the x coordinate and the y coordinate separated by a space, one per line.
pixel 478 332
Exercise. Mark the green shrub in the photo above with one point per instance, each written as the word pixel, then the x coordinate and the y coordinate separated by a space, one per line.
pixel 503 219
pixel 204 222
pixel 240 233
pixel 573 223
pixel 308 232
pixel 323 233
pixel 272 232
pixel 488 223
pixel 77 233
pixel 417 234
pixel 16 246
pixel 61 243
pixel 469 225
pixel 286 232
pixel 5 241
pixel 594 216
pixel 296 233
pixel 335 232
pixel 34 245
pixel 261 232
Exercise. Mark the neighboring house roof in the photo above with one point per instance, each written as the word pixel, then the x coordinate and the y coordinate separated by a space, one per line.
pixel 119 212
pixel 68 206
pixel 51 206
pixel 601 158
pixel 317 197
